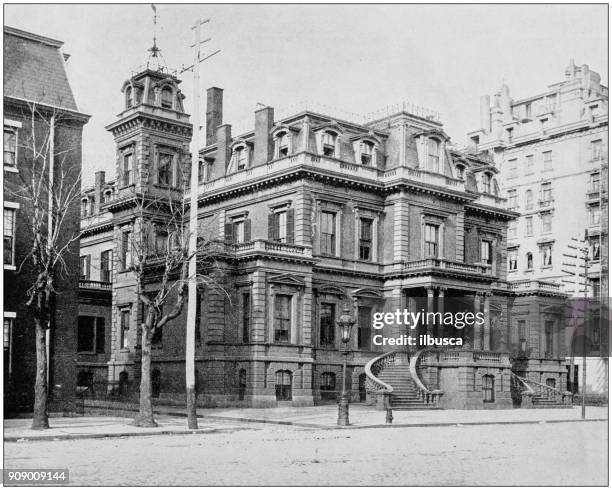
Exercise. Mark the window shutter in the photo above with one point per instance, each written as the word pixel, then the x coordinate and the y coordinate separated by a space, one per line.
pixel 290 226
pixel 229 233
pixel 271 227
pixel 247 230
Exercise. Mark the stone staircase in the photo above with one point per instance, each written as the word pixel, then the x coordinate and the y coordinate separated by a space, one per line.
pixel 405 395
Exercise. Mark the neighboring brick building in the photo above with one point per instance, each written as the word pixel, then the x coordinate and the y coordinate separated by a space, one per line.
pixel 34 73
pixel 322 213
pixel 551 149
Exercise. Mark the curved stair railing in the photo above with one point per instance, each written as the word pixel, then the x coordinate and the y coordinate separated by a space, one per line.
pixel 373 368
pixel 546 391
pixel 427 395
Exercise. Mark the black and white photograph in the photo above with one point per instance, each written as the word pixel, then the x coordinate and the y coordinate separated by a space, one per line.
pixel 285 244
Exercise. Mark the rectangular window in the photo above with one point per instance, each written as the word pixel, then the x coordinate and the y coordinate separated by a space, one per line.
pixel 431 240
pixel 90 334
pixel 238 231
pixel 546 254
pixel 528 200
pixel 594 182
pixel 127 169
pixel 328 233
pixel 433 155
pixel 198 315
pixel 10 147
pixel 9 236
pixel 547 160
pixel 364 330
pixel 85 267
pixel 164 170
pixel 529 226
pixel 327 318
pixel 530 164
pixel 546 193
pixel 365 238
pixel 282 317
pixel 595 248
pixel 329 144
pixel 242 158
pixel 512 168
pixel 513 260
pixel 367 150
pixel 126 250
pixel 548 337
pixel 596 150
pixel 512 229
pixel 8 326
pixel 546 222
pixel 124 328
pixel 161 242
pixel 594 215
pixel 512 199
pixel 106 266
pixel 522 333
pixel 278 224
pixel 488 388
pixel 246 317
pixel 486 252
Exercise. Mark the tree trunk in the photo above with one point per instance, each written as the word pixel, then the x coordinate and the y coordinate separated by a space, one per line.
pixel 40 419
pixel 145 414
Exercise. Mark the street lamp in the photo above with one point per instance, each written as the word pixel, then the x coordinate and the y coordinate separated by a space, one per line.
pixel 345 322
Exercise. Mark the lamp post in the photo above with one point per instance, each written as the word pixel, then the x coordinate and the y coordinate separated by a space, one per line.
pixel 345 322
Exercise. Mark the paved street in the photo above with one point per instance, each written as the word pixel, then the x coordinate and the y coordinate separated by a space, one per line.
pixel 267 454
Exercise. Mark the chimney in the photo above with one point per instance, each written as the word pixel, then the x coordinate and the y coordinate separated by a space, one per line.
pixel 264 120
pixel 99 181
pixel 224 141
pixel 485 113
pixel 214 113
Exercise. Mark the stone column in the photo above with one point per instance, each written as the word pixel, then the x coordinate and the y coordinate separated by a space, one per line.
pixel 477 345
pixel 487 324
pixel 441 329
pixel 430 307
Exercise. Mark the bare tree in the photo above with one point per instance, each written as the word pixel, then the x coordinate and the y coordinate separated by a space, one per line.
pixel 159 258
pixel 49 189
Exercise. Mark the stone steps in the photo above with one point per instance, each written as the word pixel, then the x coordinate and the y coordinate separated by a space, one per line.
pixel 405 395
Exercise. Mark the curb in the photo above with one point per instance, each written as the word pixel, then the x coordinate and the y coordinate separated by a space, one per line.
pixel 296 424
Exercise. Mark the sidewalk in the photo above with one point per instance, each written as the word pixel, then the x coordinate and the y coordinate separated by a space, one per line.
pixel 171 420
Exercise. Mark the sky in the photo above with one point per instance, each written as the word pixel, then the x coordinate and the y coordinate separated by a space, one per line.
pixel 356 58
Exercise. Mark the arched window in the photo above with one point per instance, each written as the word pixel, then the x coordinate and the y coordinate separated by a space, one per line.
pixel 129 98
pixel 92 205
pixel 529 258
pixel 328 386
pixel 362 387
pixel 155 383
pixel 107 196
pixel 528 199
pixel 283 385
pixel 328 144
pixel 84 208
pixel 166 98
pixel 366 149
pixel 282 145
pixel 242 383
pixel 488 388
pixel 433 155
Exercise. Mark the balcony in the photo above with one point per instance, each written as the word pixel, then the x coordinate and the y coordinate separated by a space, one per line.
pixel 99 285
pixel 443 265
pixel 534 286
pixel 546 203
pixel 592 194
pixel 265 247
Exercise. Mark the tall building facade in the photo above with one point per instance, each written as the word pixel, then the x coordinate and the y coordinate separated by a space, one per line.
pixel 552 151
pixel 38 102
pixel 320 214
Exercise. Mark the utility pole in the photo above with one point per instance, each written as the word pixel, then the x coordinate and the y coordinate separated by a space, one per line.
pixel 581 246
pixel 192 420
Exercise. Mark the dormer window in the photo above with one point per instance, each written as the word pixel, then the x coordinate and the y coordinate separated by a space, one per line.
pixel 366 149
pixel 328 144
pixel 84 208
pixel 460 171
pixel 486 183
pixel 166 98
pixel 433 155
pixel 107 196
pixel 242 157
pixel 129 97
pixel 282 145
